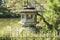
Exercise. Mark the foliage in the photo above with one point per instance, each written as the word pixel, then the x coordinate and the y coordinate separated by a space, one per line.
pixel 51 16
pixel 50 19
pixel 53 10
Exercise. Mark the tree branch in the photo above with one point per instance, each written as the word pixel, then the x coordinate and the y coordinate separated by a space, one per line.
pixel 49 25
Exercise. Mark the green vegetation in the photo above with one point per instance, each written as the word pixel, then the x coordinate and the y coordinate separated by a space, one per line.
pixel 48 20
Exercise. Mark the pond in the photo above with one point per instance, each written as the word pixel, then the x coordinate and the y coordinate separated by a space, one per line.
pixel 11 26
pixel 8 22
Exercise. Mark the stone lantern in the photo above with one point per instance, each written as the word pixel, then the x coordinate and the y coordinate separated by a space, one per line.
pixel 28 16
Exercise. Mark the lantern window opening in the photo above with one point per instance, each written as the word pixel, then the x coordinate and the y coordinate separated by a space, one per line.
pixel 23 16
pixel 29 16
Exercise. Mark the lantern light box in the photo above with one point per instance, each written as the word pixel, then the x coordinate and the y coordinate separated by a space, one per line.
pixel 28 16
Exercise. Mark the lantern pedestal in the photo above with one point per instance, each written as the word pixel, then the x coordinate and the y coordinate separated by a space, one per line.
pixel 32 29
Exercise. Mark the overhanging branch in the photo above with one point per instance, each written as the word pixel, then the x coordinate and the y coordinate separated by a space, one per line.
pixel 49 25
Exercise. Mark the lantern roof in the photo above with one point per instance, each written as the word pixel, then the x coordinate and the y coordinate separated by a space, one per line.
pixel 27 10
